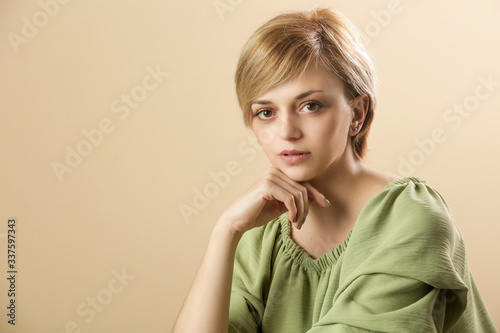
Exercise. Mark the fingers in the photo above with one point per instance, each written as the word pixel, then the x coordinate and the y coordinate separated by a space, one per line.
pixel 317 196
pixel 298 205
pixel 295 196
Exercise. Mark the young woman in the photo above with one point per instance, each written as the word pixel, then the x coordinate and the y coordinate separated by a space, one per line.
pixel 323 242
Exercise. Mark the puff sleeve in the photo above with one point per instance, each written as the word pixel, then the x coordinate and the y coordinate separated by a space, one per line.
pixel 404 270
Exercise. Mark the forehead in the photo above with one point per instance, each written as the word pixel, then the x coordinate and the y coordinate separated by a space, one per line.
pixel 311 79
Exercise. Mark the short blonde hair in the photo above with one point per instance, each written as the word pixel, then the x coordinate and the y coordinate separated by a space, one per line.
pixel 286 45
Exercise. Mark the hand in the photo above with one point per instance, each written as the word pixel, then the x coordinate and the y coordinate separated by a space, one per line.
pixel 270 197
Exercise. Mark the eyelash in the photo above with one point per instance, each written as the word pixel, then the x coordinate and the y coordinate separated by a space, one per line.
pixel 318 104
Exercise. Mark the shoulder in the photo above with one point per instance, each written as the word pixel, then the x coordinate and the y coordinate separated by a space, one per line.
pixel 262 235
pixel 410 206
pixel 257 244
pixel 408 230
pixel 254 258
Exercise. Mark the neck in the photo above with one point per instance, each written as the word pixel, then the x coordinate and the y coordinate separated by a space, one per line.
pixel 348 184
pixel 340 185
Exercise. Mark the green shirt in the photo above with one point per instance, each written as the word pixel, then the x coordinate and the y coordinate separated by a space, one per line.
pixel 402 268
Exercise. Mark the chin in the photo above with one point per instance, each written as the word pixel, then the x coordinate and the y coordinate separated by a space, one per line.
pixel 297 174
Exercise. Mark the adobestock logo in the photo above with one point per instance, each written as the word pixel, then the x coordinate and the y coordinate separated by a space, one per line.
pixel 94 137
pixel 453 117
pixel 220 179
pixel 94 304
pixel 223 6
pixel 381 19
pixel 31 27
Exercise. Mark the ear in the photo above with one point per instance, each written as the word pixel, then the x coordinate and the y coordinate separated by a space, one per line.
pixel 359 110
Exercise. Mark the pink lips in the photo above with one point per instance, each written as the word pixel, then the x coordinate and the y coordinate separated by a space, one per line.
pixel 294 156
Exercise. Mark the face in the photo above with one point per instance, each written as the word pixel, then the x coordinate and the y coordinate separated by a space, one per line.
pixel 303 125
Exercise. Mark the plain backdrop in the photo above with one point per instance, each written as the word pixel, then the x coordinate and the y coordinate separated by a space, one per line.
pixel 121 142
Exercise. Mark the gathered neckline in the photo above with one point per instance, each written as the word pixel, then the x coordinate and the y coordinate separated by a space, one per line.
pixel 326 261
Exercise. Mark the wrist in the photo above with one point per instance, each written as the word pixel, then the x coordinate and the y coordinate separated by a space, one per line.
pixel 225 228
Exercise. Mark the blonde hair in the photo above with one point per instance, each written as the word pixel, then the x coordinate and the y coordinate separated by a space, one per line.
pixel 284 47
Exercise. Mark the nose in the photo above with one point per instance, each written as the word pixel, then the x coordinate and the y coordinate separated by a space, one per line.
pixel 289 127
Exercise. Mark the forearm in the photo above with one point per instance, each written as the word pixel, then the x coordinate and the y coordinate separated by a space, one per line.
pixel 206 308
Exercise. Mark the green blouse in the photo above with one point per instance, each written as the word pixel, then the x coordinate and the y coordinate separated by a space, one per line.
pixel 402 268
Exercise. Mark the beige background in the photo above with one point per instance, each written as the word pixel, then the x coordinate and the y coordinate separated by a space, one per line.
pixel 119 209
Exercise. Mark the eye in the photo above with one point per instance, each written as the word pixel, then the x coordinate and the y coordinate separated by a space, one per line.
pixel 311 106
pixel 264 114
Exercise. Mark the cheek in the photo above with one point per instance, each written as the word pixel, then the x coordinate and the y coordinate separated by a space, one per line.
pixel 331 132
pixel 327 128
pixel 266 135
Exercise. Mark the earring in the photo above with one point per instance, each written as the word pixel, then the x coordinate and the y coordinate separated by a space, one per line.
pixel 357 127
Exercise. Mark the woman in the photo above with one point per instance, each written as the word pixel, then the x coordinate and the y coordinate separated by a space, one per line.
pixel 323 242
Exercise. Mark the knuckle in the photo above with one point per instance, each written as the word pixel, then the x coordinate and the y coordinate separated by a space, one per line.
pixel 267 184
pixel 299 194
pixel 271 170
pixel 269 173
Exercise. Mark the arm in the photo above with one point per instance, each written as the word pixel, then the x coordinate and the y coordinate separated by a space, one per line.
pixel 389 303
pixel 206 309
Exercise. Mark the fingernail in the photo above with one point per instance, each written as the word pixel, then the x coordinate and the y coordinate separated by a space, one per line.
pixel 301 224
pixel 327 203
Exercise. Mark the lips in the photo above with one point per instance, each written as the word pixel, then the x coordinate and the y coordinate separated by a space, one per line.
pixel 293 152
pixel 294 156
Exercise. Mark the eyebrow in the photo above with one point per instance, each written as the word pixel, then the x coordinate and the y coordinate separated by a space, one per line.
pixel 303 95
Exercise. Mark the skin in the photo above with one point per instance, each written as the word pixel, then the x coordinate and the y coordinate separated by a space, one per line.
pixel 320 124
